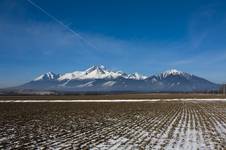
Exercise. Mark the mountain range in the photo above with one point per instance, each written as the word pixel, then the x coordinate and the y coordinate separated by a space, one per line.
pixel 98 78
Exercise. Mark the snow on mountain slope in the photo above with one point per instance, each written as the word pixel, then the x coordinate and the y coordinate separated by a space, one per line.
pixel 174 72
pixel 95 72
pixel 47 76
pixel 88 84
pixel 136 76
pixel 109 83
pixel 71 76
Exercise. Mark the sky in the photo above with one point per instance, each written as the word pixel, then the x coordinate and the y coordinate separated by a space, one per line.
pixel 145 36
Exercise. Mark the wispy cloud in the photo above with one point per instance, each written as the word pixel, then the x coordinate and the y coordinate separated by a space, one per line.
pixel 205 22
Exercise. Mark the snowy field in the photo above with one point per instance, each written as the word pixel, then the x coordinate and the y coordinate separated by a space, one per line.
pixel 143 124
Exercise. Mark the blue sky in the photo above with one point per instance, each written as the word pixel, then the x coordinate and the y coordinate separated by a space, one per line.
pixel 144 36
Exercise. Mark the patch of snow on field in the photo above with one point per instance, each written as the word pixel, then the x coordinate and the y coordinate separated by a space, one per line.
pixel 221 128
pixel 3 139
pixel 111 144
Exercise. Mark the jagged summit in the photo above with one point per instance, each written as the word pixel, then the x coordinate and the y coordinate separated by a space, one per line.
pixel 97 68
pixel 94 72
pixel 174 72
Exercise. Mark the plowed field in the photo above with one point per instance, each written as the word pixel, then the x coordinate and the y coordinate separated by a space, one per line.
pixel 128 125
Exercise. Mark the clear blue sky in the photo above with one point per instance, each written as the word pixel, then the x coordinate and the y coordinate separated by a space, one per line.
pixel 147 36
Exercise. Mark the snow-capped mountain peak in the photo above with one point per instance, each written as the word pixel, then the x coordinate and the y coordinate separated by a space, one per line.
pixel 99 69
pixel 174 72
pixel 136 76
pixel 47 76
pixel 94 72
